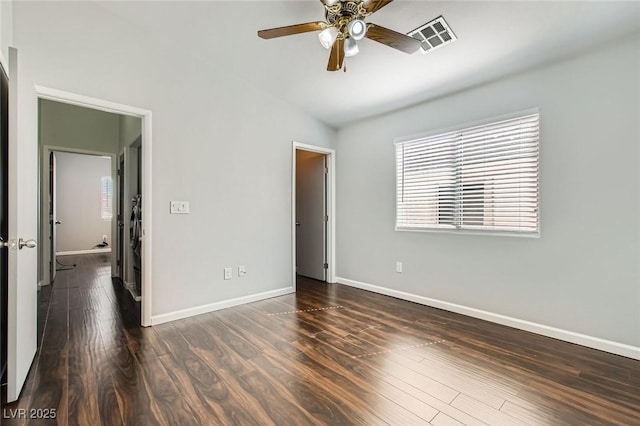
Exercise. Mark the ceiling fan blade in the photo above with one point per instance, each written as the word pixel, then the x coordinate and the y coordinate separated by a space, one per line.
pixel 337 56
pixel 393 38
pixel 375 5
pixel 292 29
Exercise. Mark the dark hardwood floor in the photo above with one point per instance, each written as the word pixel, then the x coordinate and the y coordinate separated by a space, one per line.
pixel 328 355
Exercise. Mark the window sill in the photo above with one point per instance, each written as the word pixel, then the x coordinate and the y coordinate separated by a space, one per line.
pixel 471 232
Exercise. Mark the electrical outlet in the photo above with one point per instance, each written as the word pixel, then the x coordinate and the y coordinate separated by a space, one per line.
pixel 242 271
pixel 228 273
pixel 399 267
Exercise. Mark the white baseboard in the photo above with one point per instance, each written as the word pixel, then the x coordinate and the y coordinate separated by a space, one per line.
pixel 557 333
pixel 68 253
pixel 132 290
pixel 185 313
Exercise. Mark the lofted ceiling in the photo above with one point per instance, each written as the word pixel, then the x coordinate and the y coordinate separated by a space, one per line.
pixel 495 38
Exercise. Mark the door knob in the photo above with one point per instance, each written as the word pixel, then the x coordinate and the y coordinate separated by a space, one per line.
pixel 10 244
pixel 297 223
pixel 28 243
pixel 58 222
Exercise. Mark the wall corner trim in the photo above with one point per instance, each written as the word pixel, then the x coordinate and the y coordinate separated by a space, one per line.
pixel 544 330
pixel 203 309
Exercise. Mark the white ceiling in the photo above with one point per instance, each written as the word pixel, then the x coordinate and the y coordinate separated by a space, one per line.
pixel 494 39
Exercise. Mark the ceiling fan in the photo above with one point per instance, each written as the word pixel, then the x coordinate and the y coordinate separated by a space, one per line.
pixel 344 27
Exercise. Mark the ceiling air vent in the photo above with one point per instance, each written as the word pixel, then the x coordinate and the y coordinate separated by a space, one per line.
pixel 433 34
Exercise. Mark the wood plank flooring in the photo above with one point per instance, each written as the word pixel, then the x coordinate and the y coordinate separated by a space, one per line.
pixel 327 355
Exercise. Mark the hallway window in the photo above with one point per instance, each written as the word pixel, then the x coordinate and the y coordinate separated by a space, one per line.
pixel 106 201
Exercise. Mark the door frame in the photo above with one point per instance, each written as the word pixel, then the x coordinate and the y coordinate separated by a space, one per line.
pixel 127 254
pixel 120 217
pixel 331 208
pixel 52 208
pixel 46 234
pixel 145 116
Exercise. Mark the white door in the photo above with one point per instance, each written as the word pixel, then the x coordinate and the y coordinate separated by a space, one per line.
pixel 4 214
pixel 23 221
pixel 53 217
pixel 311 214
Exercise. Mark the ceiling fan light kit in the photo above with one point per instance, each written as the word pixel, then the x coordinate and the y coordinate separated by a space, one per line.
pixel 344 25
pixel 357 29
pixel 350 47
pixel 328 36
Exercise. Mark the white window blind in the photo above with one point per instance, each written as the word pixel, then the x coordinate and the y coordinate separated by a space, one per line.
pixel 106 198
pixel 481 178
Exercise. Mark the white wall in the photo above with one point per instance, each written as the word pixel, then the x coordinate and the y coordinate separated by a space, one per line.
pixel 78 196
pixel 130 130
pixel 217 142
pixel 6 30
pixel 74 127
pixel 582 275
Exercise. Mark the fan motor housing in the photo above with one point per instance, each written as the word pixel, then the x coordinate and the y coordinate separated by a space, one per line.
pixel 344 10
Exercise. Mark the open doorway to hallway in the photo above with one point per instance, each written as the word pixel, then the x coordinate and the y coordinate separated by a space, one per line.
pixel 80 206
pixel 311 215
pixel 313 212
pixel 91 172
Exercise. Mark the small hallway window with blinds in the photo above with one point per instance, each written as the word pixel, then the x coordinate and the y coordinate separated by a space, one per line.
pixel 106 198
pixel 482 178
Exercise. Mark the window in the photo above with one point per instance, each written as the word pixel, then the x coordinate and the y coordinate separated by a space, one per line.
pixel 106 198
pixel 481 178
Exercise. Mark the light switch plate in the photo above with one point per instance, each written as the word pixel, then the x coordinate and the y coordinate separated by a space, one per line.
pixel 179 207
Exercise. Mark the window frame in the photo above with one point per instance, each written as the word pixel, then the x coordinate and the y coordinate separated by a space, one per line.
pixel 460 127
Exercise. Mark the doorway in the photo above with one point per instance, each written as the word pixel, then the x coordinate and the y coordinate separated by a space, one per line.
pixel 81 199
pixel 143 138
pixel 53 218
pixel 311 215
pixel 130 207
pixel 313 212
pixel 120 218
